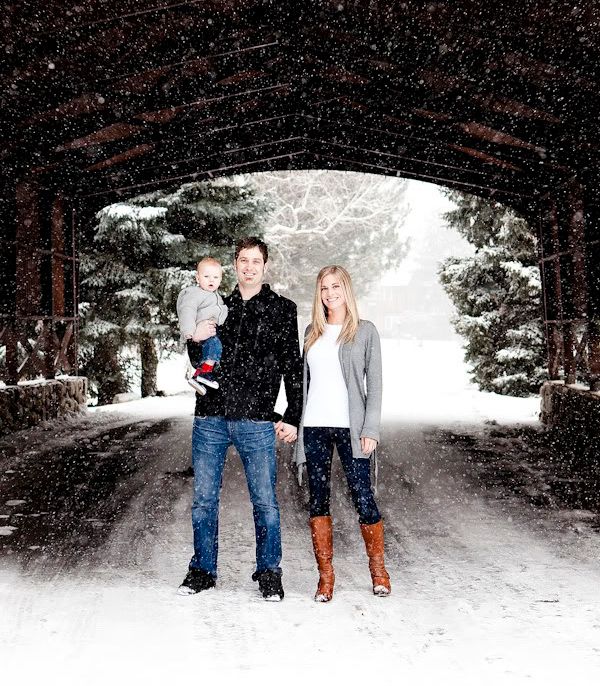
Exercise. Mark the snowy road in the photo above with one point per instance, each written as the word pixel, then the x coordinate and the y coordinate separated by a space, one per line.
pixel 96 538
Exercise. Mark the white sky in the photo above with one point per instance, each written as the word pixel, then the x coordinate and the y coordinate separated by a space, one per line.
pixel 427 204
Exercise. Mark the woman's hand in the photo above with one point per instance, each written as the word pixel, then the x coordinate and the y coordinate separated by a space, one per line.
pixel 285 432
pixel 367 445
pixel 204 329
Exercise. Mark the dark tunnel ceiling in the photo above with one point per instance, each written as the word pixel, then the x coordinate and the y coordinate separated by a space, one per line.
pixel 501 99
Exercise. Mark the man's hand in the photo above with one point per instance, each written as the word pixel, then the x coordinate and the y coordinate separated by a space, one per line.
pixel 367 445
pixel 286 432
pixel 204 329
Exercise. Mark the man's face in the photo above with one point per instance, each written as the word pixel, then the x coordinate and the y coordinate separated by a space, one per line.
pixel 250 267
pixel 208 276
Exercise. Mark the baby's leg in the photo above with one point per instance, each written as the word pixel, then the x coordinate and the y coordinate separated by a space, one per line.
pixel 211 354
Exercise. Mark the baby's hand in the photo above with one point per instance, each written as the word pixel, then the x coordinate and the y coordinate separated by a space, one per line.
pixel 204 329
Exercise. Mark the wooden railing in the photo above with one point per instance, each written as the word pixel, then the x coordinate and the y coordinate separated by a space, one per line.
pixel 38 295
pixel 569 256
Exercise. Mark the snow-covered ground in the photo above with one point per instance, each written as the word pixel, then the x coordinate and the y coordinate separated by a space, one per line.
pixel 486 589
pixel 427 382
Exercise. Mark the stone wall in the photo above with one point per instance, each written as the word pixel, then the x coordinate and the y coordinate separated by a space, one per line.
pixel 573 415
pixel 32 402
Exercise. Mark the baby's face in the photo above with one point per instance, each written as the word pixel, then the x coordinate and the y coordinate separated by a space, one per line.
pixel 208 276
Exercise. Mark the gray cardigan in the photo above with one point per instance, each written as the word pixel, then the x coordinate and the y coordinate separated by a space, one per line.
pixel 360 361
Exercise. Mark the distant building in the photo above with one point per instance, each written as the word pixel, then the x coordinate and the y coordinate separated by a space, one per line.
pixel 417 310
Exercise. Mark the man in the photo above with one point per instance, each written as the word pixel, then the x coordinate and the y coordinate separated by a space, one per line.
pixel 260 345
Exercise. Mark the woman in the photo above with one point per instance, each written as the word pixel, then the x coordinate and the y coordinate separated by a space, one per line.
pixel 341 351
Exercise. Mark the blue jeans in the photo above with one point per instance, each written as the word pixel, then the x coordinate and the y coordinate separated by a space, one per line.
pixel 255 442
pixel 212 349
pixel 318 446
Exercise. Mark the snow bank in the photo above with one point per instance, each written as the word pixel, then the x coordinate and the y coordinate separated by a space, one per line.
pixel 427 382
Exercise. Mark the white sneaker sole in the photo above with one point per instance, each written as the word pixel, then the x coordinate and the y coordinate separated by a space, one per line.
pixel 206 382
pixel 273 599
pixel 184 590
pixel 199 388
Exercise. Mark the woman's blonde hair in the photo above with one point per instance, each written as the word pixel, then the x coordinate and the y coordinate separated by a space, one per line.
pixel 319 311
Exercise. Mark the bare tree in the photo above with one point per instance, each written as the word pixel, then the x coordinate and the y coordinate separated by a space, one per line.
pixel 329 217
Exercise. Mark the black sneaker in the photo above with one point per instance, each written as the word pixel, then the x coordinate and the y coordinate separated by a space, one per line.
pixel 269 584
pixel 196 580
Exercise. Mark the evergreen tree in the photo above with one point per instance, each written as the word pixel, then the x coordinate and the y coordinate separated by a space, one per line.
pixel 139 256
pixel 497 294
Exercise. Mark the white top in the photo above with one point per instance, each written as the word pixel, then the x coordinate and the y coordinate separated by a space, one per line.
pixel 327 398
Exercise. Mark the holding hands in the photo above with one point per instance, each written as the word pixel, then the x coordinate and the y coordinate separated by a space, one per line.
pixel 286 432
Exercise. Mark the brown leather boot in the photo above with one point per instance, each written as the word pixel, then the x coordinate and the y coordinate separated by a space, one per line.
pixel 322 537
pixel 373 537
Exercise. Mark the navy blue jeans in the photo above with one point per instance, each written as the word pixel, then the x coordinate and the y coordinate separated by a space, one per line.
pixel 255 442
pixel 212 349
pixel 318 447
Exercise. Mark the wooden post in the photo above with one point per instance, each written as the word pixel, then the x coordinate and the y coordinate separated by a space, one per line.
pixel 594 354
pixel 579 278
pixel 58 256
pixel 551 286
pixel 28 285
pixel 48 349
pixel 569 347
pixel 554 347
pixel 570 270
pixel 576 241
pixel 12 362
pixel 73 347
pixel 592 245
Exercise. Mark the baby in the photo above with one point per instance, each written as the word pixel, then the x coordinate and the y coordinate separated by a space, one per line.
pixel 195 304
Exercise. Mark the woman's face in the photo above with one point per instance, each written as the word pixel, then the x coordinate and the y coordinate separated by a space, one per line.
pixel 332 294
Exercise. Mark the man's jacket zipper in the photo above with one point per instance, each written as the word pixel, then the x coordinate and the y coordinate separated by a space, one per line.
pixel 235 349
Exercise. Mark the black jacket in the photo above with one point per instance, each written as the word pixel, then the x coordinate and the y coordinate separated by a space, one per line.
pixel 260 344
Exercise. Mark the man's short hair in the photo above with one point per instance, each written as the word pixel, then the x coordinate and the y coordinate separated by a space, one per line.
pixel 252 242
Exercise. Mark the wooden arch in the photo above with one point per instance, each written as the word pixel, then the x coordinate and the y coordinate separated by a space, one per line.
pixel 109 97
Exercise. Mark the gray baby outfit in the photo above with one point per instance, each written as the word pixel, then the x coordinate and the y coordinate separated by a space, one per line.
pixel 195 305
